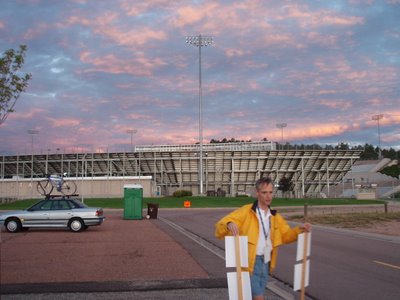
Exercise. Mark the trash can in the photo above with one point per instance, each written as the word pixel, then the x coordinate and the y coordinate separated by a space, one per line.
pixel 152 210
pixel 133 201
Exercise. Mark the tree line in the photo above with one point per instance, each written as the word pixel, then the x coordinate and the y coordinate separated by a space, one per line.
pixel 369 152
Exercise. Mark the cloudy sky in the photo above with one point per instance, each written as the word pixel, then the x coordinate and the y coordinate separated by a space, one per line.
pixel 103 67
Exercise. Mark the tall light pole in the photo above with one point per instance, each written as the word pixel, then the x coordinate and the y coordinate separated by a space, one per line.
pixel 377 118
pixel 281 126
pixel 131 132
pixel 32 132
pixel 200 41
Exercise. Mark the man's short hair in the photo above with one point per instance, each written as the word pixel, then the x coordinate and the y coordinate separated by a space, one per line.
pixel 262 181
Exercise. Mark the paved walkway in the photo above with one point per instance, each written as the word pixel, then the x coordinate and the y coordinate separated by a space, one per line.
pixel 121 259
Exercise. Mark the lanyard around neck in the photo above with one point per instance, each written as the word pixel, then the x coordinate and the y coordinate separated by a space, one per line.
pixel 262 223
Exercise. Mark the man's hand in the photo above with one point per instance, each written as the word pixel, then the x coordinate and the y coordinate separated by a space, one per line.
pixel 306 227
pixel 233 228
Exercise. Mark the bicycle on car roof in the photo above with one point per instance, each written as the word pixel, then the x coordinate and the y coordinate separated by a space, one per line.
pixel 46 186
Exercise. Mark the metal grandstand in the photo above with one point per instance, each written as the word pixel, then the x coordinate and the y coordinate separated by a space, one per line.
pixel 230 168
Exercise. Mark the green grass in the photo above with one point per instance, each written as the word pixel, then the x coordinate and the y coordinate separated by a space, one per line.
pixel 351 220
pixel 199 202
pixel 18 204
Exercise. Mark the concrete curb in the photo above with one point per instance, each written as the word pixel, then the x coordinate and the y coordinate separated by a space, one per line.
pixel 117 286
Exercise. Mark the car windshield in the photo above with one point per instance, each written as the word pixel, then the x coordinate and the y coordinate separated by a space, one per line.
pixel 41 205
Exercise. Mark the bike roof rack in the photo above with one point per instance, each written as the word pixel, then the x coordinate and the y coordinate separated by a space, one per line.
pixel 61 196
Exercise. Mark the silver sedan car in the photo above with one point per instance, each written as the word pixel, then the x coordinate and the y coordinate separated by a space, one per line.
pixel 53 213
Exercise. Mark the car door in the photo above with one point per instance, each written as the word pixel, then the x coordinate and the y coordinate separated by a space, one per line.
pixel 38 215
pixel 60 213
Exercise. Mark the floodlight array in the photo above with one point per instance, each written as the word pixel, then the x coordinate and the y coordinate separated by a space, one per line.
pixel 200 40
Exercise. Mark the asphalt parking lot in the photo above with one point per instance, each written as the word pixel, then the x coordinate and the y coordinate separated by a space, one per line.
pixel 121 259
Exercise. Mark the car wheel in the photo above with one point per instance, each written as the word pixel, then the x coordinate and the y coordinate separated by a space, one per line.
pixel 13 225
pixel 76 225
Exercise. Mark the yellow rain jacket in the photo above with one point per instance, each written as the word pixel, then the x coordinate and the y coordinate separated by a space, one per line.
pixel 247 221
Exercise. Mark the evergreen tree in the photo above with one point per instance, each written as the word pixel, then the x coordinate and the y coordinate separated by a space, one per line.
pixel 285 184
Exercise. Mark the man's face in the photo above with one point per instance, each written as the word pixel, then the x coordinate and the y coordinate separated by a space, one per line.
pixel 264 195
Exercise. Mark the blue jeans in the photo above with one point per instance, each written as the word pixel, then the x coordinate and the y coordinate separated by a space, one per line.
pixel 259 278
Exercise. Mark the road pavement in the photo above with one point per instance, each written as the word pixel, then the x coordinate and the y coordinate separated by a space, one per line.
pixel 345 264
pixel 178 257
pixel 121 259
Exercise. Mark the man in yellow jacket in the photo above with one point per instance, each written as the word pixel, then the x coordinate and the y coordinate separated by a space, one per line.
pixel 265 229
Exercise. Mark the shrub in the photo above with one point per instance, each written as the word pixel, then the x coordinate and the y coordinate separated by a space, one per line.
pixel 182 193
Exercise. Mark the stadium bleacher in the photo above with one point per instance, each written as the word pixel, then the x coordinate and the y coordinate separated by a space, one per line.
pixel 229 168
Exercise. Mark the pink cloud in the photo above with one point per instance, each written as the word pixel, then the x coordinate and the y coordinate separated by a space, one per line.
pixel 370 79
pixel 392 138
pixel 338 64
pixel 105 25
pixel 274 134
pixel 75 20
pixel 135 116
pixel 307 18
pixel 136 8
pixel 356 75
pixel 392 117
pixel 322 39
pixel 315 131
pixel 191 14
pixel 60 122
pixel 318 130
pixel 162 135
pixel 375 101
pixel 181 137
pixel 389 118
pixel 105 20
pixel 214 87
pixel 134 38
pixel 238 17
pixel 282 39
pixel 362 2
pixel 254 86
pixel 125 85
pixel 234 52
pixel 336 104
pixel 327 92
pixel 238 114
pixel 63 142
pixel 30 115
pixel 87 130
pixel 140 65
pixel 341 20
pixel 36 31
